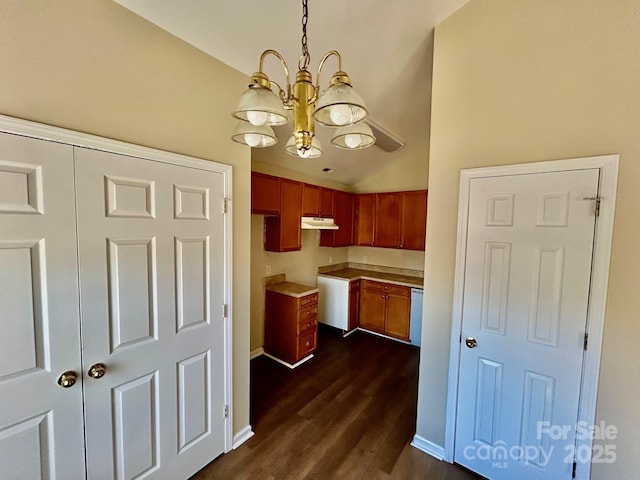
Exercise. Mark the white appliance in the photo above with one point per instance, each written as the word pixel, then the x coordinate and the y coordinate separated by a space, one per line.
pixel 415 318
pixel 333 302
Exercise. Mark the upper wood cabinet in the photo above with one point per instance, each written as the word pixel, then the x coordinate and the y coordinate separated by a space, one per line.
pixel 342 213
pixel 413 224
pixel 326 202
pixel 310 200
pixel 391 220
pixel 387 220
pixel 365 208
pixel 265 194
pixel 283 233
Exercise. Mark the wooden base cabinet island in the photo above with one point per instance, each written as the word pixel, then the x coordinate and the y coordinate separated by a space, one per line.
pixel 290 322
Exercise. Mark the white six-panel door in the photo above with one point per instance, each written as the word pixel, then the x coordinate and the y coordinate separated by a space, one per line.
pixel 41 428
pixel 526 290
pixel 151 239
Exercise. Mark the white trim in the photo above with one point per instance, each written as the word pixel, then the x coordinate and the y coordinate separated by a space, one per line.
pixel 608 166
pixel 428 447
pixel 242 436
pixel 40 131
pixel 287 364
pixel 256 353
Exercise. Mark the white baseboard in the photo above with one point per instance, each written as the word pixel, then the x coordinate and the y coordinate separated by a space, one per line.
pixel 242 436
pixel 287 364
pixel 428 447
pixel 256 353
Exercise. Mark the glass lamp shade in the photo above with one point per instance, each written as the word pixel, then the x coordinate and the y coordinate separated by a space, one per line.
pixel 254 136
pixel 353 137
pixel 339 105
pixel 260 106
pixel 314 152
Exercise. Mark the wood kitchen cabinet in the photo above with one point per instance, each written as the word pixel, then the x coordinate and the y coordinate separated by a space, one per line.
pixel 387 220
pixel 385 308
pixel 391 220
pixel 365 207
pixel 282 233
pixel 342 213
pixel 265 194
pixel 290 326
pixel 413 220
pixel 310 200
pixel 326 202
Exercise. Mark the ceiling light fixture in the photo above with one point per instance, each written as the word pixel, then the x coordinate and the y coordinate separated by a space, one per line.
pixel 338 106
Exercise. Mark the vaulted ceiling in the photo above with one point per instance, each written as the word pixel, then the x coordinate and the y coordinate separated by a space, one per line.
pixel 386 49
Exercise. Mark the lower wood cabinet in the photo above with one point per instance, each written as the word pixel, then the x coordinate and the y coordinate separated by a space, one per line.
pixel 290 326
pixel 385 308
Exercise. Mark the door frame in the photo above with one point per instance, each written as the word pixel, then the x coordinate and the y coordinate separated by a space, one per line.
pixel 608 166
pixel 50 133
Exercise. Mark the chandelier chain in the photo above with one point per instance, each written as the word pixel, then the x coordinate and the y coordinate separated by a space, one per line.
pixel 305 58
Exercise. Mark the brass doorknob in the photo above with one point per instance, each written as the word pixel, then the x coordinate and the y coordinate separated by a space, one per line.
pixel 97 370
pixel 471 342
pixel 67 379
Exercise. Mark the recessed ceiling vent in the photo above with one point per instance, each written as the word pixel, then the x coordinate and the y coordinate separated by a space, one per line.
pixel 385 139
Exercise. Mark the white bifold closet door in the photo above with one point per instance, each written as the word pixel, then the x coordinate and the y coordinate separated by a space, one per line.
pixel 116 263
pixel 41 429
pixel 151 256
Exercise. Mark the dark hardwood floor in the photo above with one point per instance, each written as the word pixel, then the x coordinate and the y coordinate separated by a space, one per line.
pixel 348 413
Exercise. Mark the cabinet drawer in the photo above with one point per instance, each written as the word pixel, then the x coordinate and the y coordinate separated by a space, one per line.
pixel 308 300
pixel 380 287
pixel 310 323
pixel 308 312
pixel 306 343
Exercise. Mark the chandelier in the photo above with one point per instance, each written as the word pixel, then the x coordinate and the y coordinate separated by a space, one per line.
pixel 338 106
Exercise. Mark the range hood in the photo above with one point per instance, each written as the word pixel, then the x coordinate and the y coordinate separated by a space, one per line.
pixel 314 223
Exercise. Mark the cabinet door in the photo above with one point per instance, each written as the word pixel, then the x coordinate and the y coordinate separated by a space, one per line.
pixel 365 207
pixel 265 194
pixel 343 216
pixel 310 200
pixel 414 220
pixel 398 311
pixel 326 202
pixel 387 223
pixel 282 233
pixel 372 307
pixel 354 304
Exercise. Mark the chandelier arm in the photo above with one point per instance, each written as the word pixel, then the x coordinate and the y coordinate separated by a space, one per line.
pixel 321 64
pixel 286 73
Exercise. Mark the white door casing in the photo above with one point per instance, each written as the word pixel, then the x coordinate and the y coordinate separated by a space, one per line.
pixel 41 426
pixel 494 283
pixel 151 242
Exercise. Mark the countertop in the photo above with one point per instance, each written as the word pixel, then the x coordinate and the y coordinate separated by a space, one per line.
pixel 292 289
pixel 357 273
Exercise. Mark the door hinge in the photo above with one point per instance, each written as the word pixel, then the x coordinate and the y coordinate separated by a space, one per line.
pixel 573 472
pixel 596 212
pixel 225 310
pixel 225 206
pixel 586 340
pixel 226 411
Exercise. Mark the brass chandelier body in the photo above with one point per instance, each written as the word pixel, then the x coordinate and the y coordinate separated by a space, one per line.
pixel 337 106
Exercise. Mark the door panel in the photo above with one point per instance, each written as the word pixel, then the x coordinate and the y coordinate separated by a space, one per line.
pixel 151 243
pixel 39 316
pixel 527 278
